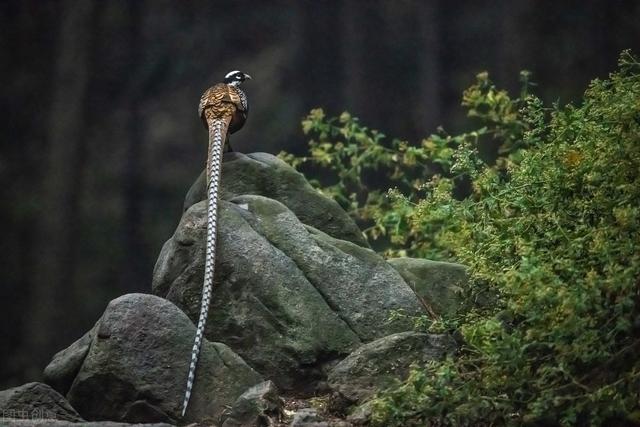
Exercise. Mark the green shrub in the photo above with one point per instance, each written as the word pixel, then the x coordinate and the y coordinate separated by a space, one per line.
pixel 552 227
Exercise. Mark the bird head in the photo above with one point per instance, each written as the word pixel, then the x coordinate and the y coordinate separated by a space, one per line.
pixel 236 77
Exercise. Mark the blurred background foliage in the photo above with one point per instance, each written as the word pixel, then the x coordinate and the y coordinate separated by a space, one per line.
pixel 548 224
pixel 100 137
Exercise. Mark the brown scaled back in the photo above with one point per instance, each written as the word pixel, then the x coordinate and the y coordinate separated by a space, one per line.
pixel 222 101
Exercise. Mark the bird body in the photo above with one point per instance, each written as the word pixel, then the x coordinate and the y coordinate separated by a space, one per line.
pixel 223 109
pixel 223 101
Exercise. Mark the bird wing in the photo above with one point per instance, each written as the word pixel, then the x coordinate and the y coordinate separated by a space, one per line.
pixel 219 99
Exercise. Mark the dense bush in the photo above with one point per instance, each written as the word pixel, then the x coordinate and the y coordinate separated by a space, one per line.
pixel 552 227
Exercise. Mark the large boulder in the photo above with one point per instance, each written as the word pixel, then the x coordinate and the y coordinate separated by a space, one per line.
pixel 287 297
pixel 136 365
pixel 439 284
pixel 379 364
pixel 35 401
pixel 265 175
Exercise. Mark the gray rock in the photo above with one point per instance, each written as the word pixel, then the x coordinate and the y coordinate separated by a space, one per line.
pixel 65 365
pixel 263 174
pixel 307 417
pixel 361 415
pixel 136 367
pixel 439 284
pixel 35 401
pixel 287 298
pixel 262 305
pixel 379 364
pixel 356 282
pixel 259 406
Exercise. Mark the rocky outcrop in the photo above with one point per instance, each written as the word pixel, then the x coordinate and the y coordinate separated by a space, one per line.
pixel 265 175
pixel 438 284
pixel 35 401
pixel 136 364
pixel 296 290
pixel 378 364
pixel 287 297
pixel 299 298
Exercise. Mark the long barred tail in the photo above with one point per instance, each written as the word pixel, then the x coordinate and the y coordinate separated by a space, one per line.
pixel 217 133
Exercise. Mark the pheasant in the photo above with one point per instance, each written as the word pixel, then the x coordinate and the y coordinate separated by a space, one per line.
pixel 223 109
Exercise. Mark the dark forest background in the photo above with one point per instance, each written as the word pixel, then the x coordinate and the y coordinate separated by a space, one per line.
pixel 101 139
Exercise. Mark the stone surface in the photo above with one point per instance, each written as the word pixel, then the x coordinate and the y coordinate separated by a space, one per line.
pixel 308 417
pixel 259 406
pixel 35 401
pixel 263 174
pixel 297 294
pixel 378 364
pixel 361 414
pixel 439 284
pixel 64 366
pixel 136 366
pixel 287 297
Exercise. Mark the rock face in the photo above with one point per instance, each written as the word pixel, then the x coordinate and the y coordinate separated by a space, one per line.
pixel 65 365
pixel 287 297
pixel 136 365
pixel 34 401
pixel 265 175
pixel 307 417
pixel 259 406
pixel 439 284
pixel 360 415
pixel 296 290
pixel 310 417
pixel 376 365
